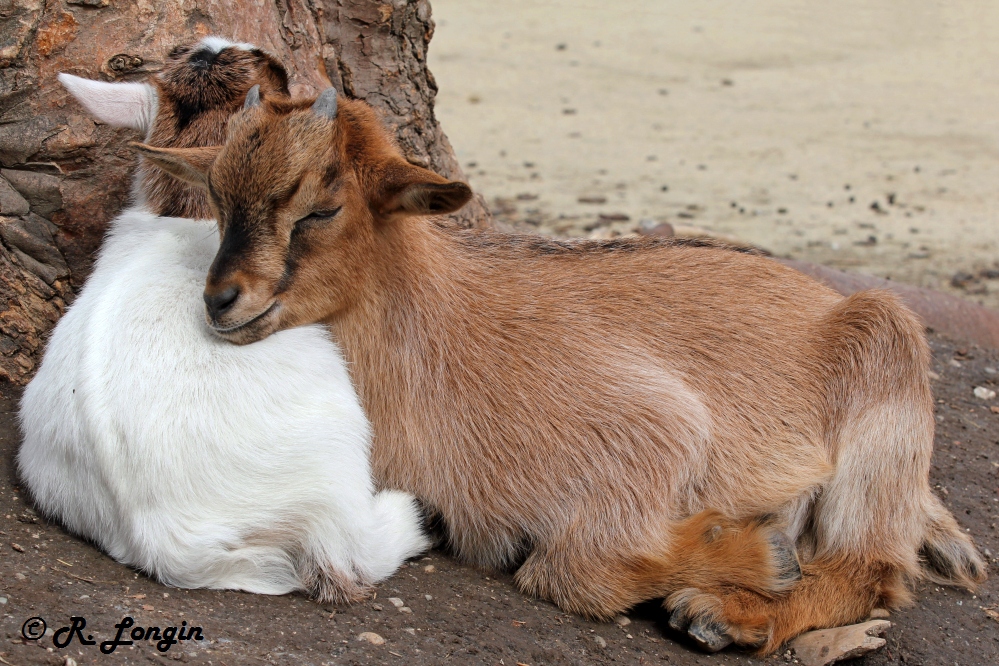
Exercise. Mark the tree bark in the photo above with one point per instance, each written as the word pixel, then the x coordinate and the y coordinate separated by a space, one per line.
pixel 64 177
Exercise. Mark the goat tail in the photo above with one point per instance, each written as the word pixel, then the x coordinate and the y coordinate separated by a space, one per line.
pixel 948 556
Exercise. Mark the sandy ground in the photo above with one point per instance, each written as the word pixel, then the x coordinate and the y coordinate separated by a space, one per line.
pixel 859 134
pixel 757 119
pixel 459 615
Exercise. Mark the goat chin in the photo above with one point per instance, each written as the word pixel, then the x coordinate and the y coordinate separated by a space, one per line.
pixel 203 463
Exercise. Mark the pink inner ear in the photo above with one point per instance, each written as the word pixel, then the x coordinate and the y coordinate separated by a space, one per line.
pixel 132 105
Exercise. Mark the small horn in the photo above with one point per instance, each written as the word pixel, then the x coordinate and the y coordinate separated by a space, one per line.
pixel 325 104
pixel 252 97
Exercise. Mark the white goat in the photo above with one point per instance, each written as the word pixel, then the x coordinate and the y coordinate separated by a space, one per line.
pixel 200 462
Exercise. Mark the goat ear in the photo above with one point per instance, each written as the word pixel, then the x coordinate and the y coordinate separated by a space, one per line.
pixel 190 165
pixel 411 190
pixel 275 70
pixel 131 105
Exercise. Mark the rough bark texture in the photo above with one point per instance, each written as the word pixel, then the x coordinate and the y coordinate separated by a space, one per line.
pixel 64 177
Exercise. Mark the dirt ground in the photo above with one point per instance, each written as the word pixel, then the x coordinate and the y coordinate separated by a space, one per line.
pixel 858 134
pixel 782 122
pixel 459 615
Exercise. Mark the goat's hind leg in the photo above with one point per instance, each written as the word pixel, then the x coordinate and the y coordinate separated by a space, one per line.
pixel 876 517
pixel 879 505
pixel 598 579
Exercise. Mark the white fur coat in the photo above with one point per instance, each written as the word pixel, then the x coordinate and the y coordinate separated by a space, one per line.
pixel 203 463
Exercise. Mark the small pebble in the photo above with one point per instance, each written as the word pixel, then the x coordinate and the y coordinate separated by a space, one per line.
pixel 622 620
pixel 405 609
pixel 428 597
pixel 397 602
pixel 371 637
pixel 429 568
pixel 600 641
pixel 409 630
pixel 19 548
pixel 377 607
pixel 983 393
pixel 20 576
pixel 3 601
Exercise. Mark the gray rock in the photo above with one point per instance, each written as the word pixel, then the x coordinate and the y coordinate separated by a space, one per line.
pixel 984 393
pixel 371 637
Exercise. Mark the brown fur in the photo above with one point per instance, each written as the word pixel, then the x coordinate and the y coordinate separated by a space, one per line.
pixel 197 96
pixel 589 411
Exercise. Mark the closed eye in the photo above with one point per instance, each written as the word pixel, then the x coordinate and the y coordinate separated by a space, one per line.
pixel 317 218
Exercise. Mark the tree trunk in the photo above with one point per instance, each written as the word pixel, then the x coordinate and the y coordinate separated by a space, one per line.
pixel 64 177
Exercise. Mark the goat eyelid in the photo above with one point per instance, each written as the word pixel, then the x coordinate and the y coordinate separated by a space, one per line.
pixel 324 214
pixel 315 219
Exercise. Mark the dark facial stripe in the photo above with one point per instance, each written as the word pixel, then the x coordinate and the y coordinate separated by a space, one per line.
pixel 298 247
pixel 237 240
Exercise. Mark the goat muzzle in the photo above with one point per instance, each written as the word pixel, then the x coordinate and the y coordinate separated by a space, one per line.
pixel 218 303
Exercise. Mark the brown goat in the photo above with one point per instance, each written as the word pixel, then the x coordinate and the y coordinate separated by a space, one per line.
pixel 188 104
pixel 590 411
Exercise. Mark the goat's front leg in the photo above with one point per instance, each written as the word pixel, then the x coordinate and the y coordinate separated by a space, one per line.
pixel 832 592
pixel 600 578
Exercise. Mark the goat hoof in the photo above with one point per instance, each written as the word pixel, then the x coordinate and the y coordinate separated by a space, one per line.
pixel 708 635
pixel 678 620
pixel 786 565
pixel 678 606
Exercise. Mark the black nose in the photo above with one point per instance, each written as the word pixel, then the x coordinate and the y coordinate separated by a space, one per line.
pixel 220 303
pixel 203 58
